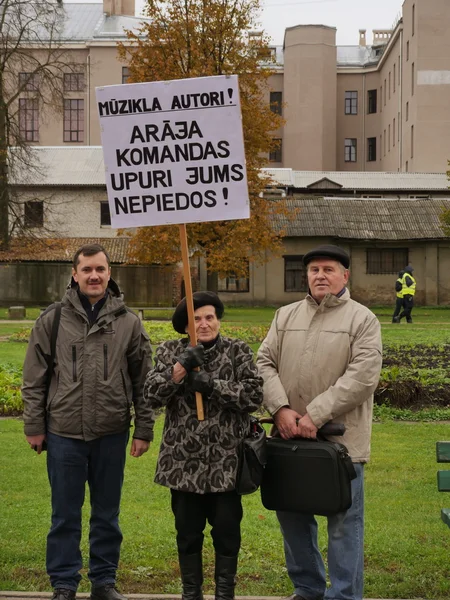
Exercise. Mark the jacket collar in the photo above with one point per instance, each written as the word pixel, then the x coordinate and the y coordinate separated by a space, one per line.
pixel 329 300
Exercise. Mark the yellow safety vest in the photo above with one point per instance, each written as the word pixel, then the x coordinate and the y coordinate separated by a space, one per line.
pixel 411 290
pixel 400 293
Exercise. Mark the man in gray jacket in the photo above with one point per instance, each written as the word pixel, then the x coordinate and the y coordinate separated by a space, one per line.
pixel 320 362
pixel 82 414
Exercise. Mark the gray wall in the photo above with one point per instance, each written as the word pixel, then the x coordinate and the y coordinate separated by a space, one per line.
pixel 40 284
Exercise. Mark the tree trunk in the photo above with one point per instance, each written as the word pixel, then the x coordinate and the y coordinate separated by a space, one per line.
pixel 4 189
pixel 212 282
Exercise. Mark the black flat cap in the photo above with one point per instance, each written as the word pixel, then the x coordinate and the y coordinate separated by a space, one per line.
pixel 180 317
pixel 328 251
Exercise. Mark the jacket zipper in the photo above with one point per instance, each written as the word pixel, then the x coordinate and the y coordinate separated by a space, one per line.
pixel 105 361
pixel 74 363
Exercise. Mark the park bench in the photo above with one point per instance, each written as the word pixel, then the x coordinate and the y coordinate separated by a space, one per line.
pixel 443 477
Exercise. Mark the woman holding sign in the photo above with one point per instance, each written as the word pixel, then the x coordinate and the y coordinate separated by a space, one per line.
pixel 198 459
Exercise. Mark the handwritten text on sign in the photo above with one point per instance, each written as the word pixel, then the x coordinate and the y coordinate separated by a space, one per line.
pixel 173 151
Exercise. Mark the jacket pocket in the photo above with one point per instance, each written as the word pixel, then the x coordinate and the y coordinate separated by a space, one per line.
pixel 105 362
pixel 74 363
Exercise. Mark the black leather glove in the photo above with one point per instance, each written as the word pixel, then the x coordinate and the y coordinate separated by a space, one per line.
pixel 192 357
pixel 201 382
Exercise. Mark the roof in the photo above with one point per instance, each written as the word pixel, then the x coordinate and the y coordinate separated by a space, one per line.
pixel 62 250
pixel 63 166
pixel 80 22
pixel 361 180
pixel 358 56
pixel 364 218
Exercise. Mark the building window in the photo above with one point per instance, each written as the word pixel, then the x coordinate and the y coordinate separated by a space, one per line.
pixel 28 82
pixel 34 214
pixel 389 137
pixel 29 119
pixel 393 132
pixel 407 50
pixel 381 143
pixel 276 99
pixel 385 88
pixel 350 150
pixel 73 82
pixel 407 167
pixel 231 283
pixel 295 279
pixel 73 120
pixel 399 69
pixel 412 80
pixel 413 26
pixel 393 78
pixel 384 143
pixel 412 141
pixel 351 103
pixel 386 260
pixel 398 128
pixel 407 111
pixel 371 149
pixel 389 79
pixel 125 74
pixel 276 155
pixel 381 98
pixel 372 101
pixel 105 214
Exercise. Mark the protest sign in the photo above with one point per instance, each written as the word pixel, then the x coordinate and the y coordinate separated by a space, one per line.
pixel 173 151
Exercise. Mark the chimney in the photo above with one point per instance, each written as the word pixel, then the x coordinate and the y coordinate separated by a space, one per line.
pixel 119 7
pixel 362 37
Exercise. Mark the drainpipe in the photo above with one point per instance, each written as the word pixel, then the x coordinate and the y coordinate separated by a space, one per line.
pixel 88 92
pixel 364 123
pixel 400 101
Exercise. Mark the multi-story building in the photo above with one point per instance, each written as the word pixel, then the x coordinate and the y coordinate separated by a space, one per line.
pixel 384 107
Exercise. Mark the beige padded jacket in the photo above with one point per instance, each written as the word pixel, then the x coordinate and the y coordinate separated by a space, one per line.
pixel 325 359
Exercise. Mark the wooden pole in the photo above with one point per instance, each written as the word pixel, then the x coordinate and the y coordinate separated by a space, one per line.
pixel 190 307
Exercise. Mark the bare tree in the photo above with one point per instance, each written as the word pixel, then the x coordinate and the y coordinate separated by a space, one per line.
pixel 33 63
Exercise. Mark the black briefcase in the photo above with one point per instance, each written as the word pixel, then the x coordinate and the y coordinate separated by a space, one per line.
pixel 307 476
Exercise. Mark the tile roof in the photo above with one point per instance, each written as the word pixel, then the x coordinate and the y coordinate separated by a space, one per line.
pixel 364 218
pixel 62 250
pixel 361 180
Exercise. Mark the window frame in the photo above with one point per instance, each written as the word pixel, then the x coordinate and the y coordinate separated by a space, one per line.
pixel 105 215
pixel 351 150
pixel 224 283
pixel 295 286
pixel 33 214
pixel 71 115
pixel 388 262
pixel 276 155
pixel 276 104
pixel 74 82
pixel 29 114
pixel 372 101
pixel 371 149
pixel 351 102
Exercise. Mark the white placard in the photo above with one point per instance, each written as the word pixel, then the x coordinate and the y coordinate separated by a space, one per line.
pixel 174 151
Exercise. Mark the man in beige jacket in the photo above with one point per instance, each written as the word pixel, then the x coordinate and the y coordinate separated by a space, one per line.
pixel 321 361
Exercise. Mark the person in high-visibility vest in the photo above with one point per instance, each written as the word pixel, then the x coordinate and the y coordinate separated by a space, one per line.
pixel 408 289
pixel 399 299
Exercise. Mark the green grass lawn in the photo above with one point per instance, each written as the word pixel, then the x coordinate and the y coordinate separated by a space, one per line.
pixel 407 545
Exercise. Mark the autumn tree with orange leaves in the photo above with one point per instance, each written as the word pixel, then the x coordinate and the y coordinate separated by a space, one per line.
pixel 198 38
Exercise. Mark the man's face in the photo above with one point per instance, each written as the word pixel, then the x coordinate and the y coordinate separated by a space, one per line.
pixel 92 275
pixel 207 324
pixel 326 276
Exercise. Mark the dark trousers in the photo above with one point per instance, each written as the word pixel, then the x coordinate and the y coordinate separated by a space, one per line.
pixel 223 511
pixel 70 464
pixel 408 304
pixel 398 307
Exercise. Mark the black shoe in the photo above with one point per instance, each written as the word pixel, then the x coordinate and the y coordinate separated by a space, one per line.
pixel 63 594
pixel 396 320
pixel 105 592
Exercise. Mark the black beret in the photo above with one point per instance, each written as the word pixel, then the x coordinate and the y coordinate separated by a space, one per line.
pixel 328 251
pixel 180 316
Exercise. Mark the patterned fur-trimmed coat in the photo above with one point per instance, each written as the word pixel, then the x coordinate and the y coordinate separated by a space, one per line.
pixel 201 456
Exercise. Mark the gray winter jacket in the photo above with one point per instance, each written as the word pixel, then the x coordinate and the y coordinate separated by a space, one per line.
pixel 202 456
pixel 98 374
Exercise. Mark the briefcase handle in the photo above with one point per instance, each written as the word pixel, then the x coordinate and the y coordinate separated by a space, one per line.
pixel 329 428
